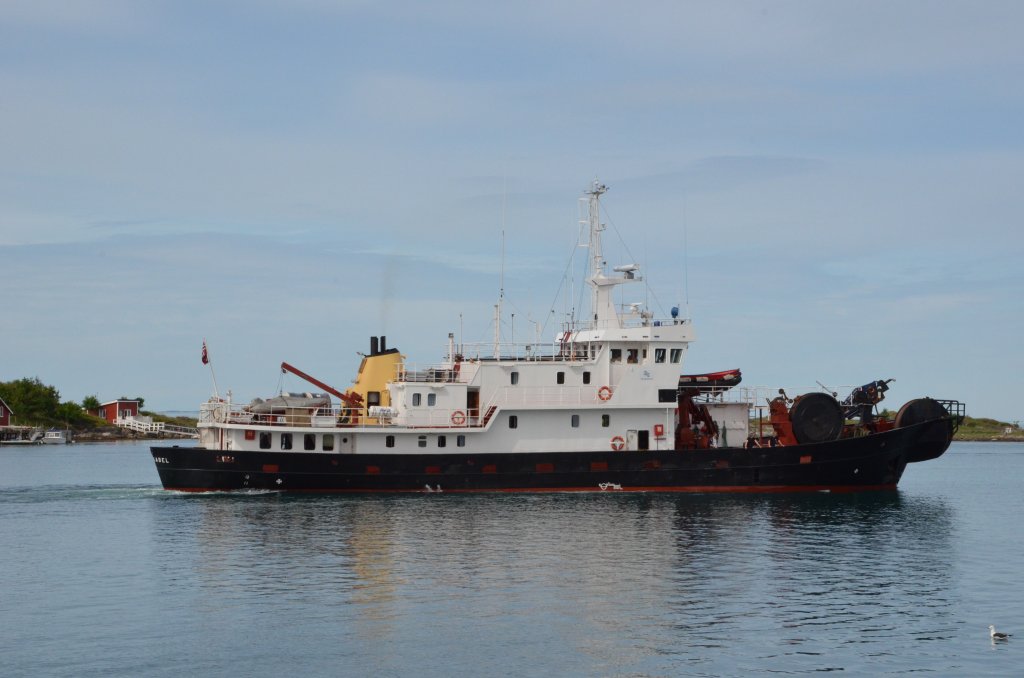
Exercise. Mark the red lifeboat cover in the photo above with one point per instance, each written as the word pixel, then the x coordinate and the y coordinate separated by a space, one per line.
pixel 723 379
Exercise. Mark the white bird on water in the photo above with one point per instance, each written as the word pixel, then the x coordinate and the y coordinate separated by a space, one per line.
pixel 997 635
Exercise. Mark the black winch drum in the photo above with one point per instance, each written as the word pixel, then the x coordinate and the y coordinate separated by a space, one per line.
pixel 918 411
pixel 816 418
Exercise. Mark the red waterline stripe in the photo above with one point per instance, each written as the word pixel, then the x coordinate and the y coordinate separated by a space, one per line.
pixel 692 489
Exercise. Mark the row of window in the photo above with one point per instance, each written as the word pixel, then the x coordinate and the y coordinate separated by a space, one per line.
pixel 633 355
pixel 574 421
pixel 286 441
pixel 309 440
pixel 421 441
pixel 559 378
pixel 417 399
pixel 674 355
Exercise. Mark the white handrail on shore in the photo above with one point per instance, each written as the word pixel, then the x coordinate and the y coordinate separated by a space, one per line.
pixel 147 425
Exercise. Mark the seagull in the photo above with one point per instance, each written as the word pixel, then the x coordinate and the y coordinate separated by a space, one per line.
pixel 997 635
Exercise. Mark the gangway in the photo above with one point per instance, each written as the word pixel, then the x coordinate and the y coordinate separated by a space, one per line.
pixel 147 425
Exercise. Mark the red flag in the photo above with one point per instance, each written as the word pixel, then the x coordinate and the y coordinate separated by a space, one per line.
pixel 206 357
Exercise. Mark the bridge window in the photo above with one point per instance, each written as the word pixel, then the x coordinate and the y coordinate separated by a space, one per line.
pixel 616 355
pixel 606 420
pixel 513 421
pixel 309 441
pixel 632 355
pixel 659 355
pixel 389 441
pixel 431 399
pixel 264 440
pixel 372 398
pixel 514 378
pixel 286 441
pixel 575 420
pixel 677 355
pixel 560 378
pixel 328 443
pixel 416 398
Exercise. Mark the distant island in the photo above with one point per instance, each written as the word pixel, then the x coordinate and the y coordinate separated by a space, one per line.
pixel 980 429
pixel 28 404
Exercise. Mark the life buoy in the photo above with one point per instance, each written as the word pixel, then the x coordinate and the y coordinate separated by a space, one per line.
pixel 458 418
pixel 618 443
pixel 604 393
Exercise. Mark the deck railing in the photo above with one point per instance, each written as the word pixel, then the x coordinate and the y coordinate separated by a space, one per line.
pixel 147 425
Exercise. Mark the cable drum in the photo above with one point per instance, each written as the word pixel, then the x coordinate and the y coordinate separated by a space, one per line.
pixel 935 423
pixel 816 418
pixel 918 411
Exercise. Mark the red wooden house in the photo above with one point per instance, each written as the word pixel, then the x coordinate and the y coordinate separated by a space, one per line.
pixel 5 413
pixel 116 409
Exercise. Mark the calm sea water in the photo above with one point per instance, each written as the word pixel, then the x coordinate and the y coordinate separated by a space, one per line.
pixel 104 574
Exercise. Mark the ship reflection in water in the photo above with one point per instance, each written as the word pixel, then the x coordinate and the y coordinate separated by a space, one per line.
pixel 592 583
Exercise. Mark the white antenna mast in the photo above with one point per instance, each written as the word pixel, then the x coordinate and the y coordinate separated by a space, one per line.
pixel 686 261
pixel 501 279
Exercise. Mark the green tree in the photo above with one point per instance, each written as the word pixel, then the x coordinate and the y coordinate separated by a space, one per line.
pixel 32 401
pixel 70 413
pixel 90 402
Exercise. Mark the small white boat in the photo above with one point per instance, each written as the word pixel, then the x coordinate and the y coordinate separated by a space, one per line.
pixel 56 436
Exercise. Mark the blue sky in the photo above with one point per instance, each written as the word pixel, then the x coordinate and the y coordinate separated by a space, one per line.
pixel 287 178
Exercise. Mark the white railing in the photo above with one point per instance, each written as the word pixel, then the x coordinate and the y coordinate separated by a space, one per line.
pixel 760 396
pixel 223 412
pixel 147 425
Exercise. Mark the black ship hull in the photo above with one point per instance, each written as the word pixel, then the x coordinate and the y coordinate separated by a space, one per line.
pixel 868 462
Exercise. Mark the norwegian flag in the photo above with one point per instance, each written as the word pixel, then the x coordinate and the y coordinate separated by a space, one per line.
pixel 206 356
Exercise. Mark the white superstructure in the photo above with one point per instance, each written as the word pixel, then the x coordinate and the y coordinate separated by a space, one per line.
pixel 608 381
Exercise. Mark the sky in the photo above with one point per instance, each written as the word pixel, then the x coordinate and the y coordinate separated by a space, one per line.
pixel 831 190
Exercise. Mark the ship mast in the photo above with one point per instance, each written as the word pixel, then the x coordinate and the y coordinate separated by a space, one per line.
pixel 602 304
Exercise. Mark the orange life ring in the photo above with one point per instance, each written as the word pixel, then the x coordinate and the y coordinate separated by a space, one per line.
pixel 458 418
pixel 604 393
pixel 618 443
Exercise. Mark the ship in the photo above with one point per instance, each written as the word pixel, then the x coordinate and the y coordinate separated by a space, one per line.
pixel 602 406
